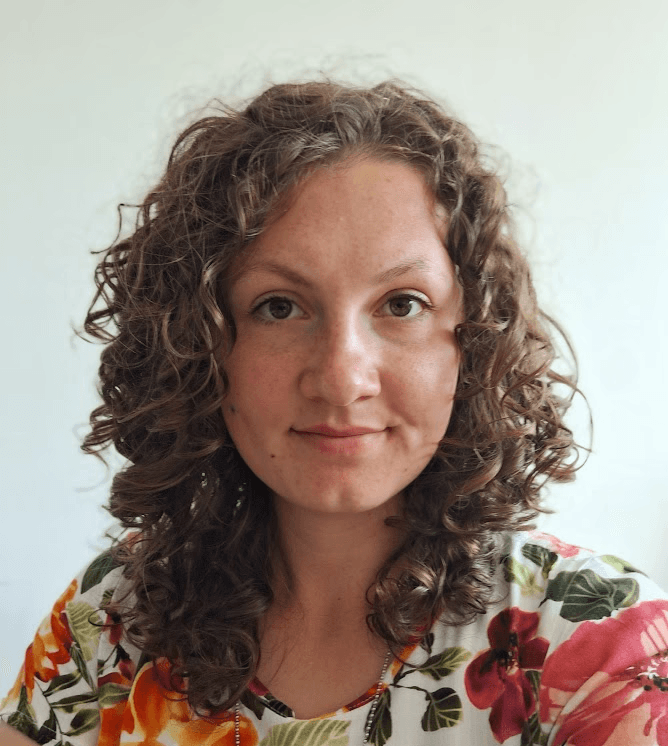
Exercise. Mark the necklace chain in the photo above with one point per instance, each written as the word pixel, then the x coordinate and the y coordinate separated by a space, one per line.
pixel 368 723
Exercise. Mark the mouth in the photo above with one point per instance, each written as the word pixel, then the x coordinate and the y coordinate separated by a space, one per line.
pixel 343 442
pixel 333 432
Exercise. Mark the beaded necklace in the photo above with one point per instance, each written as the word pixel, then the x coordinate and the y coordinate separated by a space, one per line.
pixel 368 723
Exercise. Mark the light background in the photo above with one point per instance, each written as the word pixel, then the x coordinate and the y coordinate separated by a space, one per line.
pixel 92 95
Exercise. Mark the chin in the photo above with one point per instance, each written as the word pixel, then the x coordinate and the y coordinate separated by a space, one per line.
pixel 343 503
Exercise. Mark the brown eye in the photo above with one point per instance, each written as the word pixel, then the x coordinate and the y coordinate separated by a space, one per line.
pixel 406 306
pixel 275 308
pixel 401 306
pixel 279 308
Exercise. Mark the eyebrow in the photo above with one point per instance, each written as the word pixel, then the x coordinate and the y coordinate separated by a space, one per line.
pixel 386 276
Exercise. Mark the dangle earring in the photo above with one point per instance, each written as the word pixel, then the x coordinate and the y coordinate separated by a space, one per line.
pixel 241 496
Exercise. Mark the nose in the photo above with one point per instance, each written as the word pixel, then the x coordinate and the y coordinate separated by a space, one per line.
pixel 342 364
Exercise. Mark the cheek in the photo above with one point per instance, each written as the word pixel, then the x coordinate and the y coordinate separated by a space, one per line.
pixel 257 391
pixel 427 405
pixel 427 387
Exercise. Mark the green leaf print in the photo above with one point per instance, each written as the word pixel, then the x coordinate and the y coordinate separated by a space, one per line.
pixel 428 642
pixel 23 724
pixel 97 570
pixel 24 718
pixel 48 729
pixel 70 704
pixel 440 666
pixel 381 727
pixel 106 597
pixel 540 556
pixel 444 709
pixel 62 682
pixel 525 577
pixel 619 564
pixel 254 704
pixel 83 721
pixel 83 619
pixel 110 694
pixel 534 680
pixel 532 735
pixel 77 656
pixel 278 707
pixel 586 595
pixel 308 733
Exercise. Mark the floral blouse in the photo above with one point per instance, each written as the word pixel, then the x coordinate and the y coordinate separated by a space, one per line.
pixel 574 651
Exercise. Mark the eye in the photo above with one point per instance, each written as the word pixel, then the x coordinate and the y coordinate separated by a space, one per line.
pixel 407 305
pixel 275 308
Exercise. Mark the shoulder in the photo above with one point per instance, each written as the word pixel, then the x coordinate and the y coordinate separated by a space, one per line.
pixel 100 581
pixel 86 608
pixel 588 585
pixel 66 677
pixel 573 646
pixel 604 631
pixel 562 587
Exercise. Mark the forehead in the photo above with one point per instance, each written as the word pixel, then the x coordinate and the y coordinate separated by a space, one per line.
pixel 379 207
pixel 384 187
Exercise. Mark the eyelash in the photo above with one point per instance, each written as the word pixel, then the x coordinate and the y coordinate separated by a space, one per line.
pixel 401 296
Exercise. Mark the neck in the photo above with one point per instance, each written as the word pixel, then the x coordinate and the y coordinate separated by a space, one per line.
pixel 327 561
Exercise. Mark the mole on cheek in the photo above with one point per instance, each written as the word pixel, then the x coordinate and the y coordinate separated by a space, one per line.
pixel 233 409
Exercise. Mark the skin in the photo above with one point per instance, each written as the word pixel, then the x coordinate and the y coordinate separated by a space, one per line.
pixel 336 346
pixel 344 349
pixel 11 737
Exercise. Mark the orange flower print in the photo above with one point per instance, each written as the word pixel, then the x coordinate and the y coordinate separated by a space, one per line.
pixel 51 645
pixel 111 716
pixel 162 718
pixel 111 722
pixel 15 691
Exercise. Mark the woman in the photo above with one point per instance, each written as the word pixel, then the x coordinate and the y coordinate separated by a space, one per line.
pixel 327 369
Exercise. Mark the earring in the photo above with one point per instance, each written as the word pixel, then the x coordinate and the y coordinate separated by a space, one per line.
pixel 241 489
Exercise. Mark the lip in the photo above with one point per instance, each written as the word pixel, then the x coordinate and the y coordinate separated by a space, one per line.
pixel 334 432
pixel 347 443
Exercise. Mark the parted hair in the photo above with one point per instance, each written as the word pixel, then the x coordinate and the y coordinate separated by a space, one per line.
pixel 202 533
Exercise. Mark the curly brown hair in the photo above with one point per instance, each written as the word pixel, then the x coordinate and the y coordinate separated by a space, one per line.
pixel 198 564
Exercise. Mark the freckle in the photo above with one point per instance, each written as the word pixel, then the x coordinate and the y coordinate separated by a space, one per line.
pixel 272 455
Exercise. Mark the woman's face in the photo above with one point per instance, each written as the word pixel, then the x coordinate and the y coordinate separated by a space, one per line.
pixel 342 376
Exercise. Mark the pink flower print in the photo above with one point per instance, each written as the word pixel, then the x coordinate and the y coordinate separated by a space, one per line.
pixel 616 671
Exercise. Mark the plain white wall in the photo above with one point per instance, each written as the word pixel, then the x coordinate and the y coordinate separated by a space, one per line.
pixel 92 95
